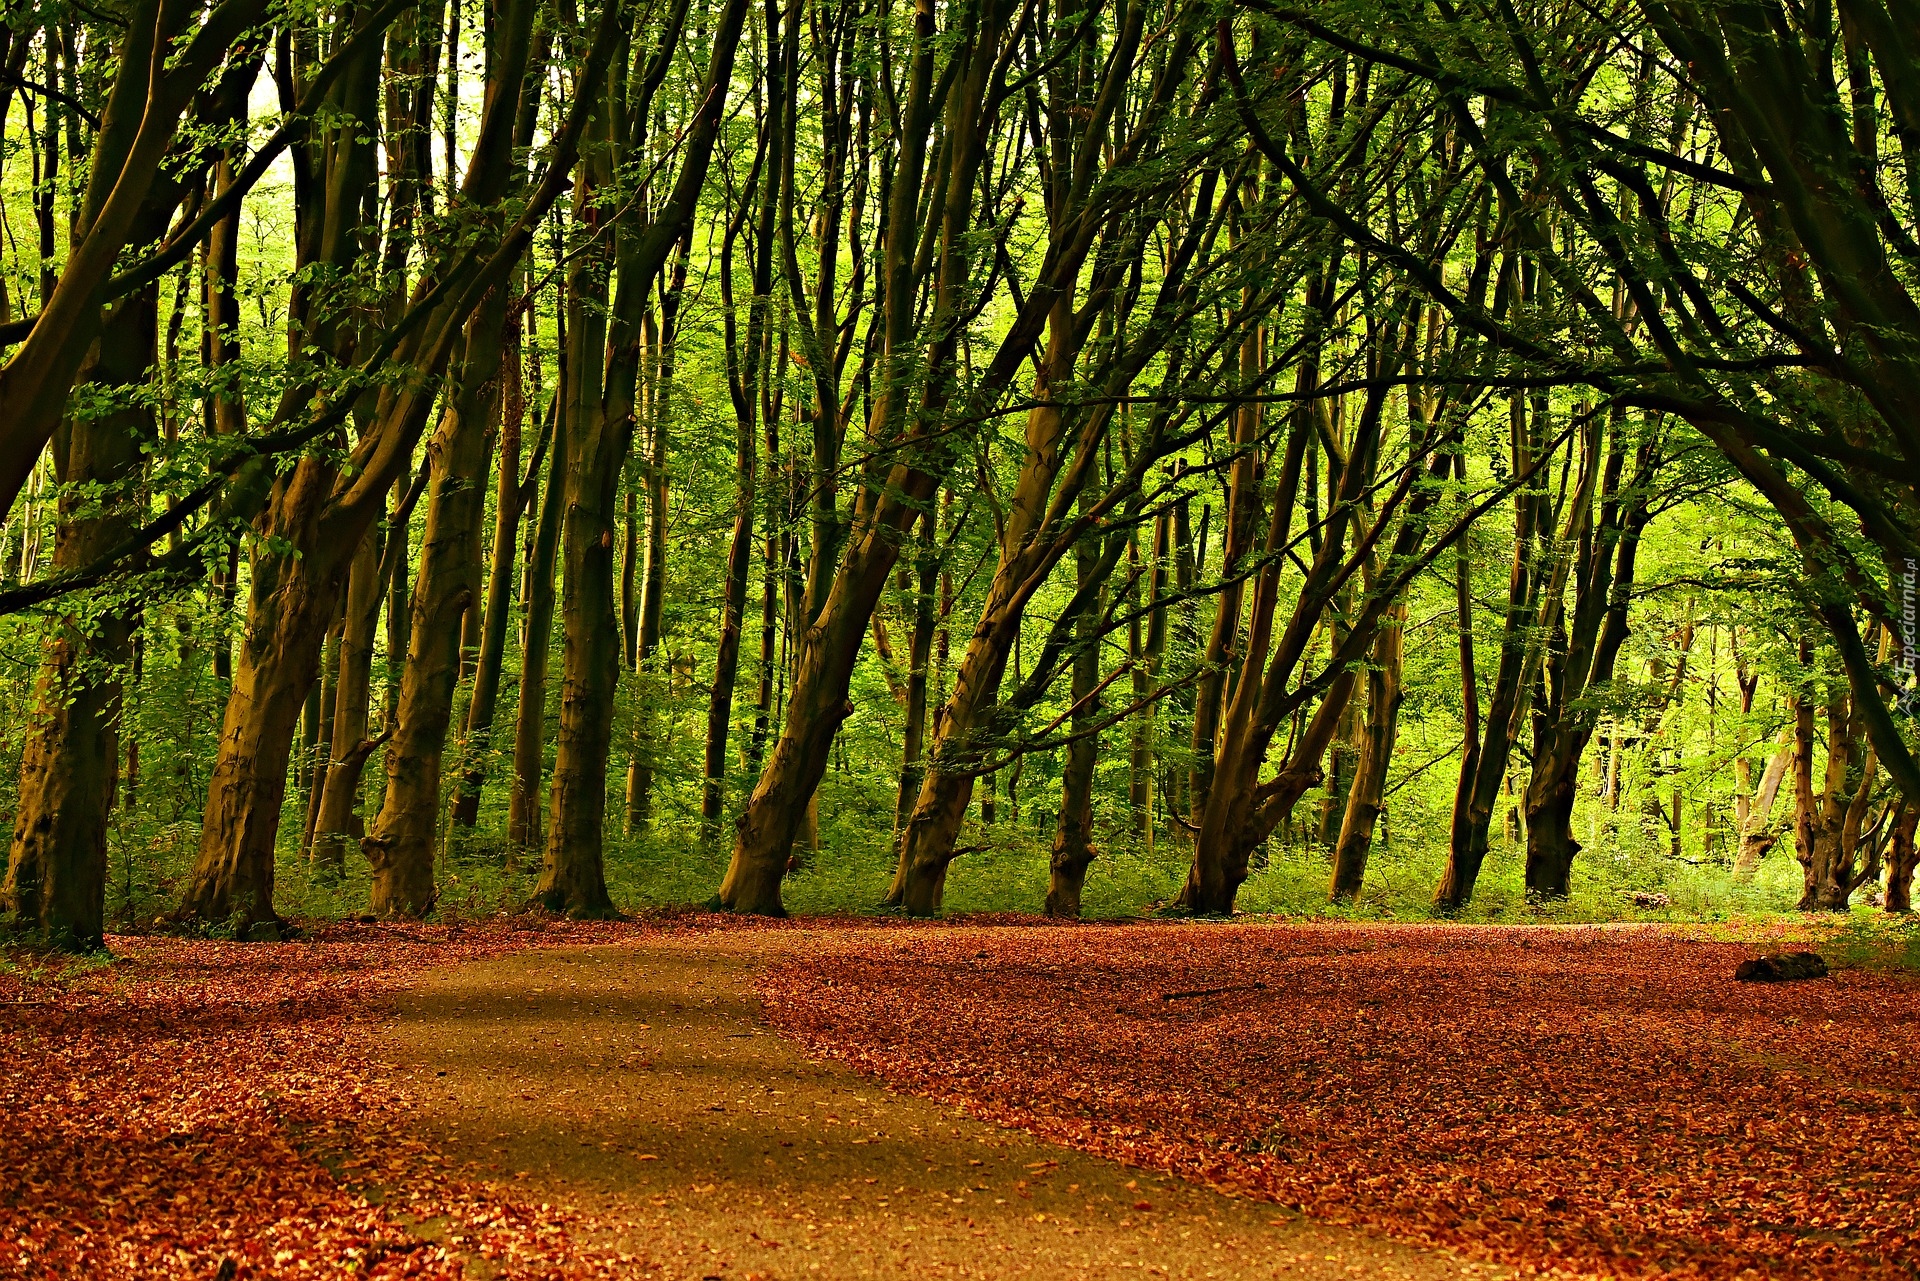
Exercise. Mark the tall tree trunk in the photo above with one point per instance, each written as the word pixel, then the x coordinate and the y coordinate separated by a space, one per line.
pixel 1156 650
pixel 747 390
pixel 320 710
pixel 1365 796
pixel 335 824
pixel 1453 889
pixel 733 606
pixel 1073 848
pixel 646 654
pixel 1243 509
pixel 1237 811
pixel 1477 794
pixel 573 877
pixel 1139 734
pixel 1343 754
pixel 926 360
pixel 401 843
pixel 629 578
pixel 510 505
pixel 398 588
pixel 530 722
pixel 925 583
pixel 1582 655
pixel 56 876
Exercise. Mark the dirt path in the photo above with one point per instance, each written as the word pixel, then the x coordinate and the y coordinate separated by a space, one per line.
pixel 635 1083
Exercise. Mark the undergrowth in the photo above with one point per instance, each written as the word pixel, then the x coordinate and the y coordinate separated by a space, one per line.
pixel 1007 873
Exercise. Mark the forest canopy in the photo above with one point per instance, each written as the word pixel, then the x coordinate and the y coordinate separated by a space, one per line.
pixel 1110 453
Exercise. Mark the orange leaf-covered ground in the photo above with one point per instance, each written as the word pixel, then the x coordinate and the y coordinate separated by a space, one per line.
pixel 184 1112
pixel 1589 1101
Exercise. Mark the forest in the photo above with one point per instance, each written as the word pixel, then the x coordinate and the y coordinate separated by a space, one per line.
pixel 601 470
pixel 821 449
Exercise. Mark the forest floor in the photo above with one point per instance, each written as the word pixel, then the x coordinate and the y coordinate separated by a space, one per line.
pixel 690 1097
pixel 639 1084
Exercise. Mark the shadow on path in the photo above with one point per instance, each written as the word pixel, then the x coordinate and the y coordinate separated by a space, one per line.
pixel 635 1083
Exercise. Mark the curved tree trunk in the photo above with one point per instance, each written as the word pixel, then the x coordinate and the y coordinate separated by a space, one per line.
pixel 822 672
pixel 1757 834
pixel 289 609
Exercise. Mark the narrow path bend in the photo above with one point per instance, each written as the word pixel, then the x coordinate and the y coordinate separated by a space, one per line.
pixel 635 1083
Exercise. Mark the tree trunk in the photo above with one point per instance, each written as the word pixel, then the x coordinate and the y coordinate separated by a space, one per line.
pixel 1756 829
pixel 645 657
pixel 733 606
pixel 573 878
pixel 55 887
pixel 1844 873
pixel 602 403
pixel 320 511
pixel 306 755
pixel 1139 735
pixel 1902 856
pixel 321 750
pixel 1456 883
pixel 1243 503
pixel 920 653
pixel 399 612
pixel 629 577
pixel 289 610
pixel 1820 816
pixel 530 722
pixel 401 843
pixel 1477 794
pixel 822 671
pixel 510 504
pixel 1343 754
pixel 1365 796
pixel 335 825
pixel 1073 847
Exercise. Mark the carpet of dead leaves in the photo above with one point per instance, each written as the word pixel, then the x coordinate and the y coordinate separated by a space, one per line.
pixel 206 1109
pixel 1580 1102
pixel 1572 1101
